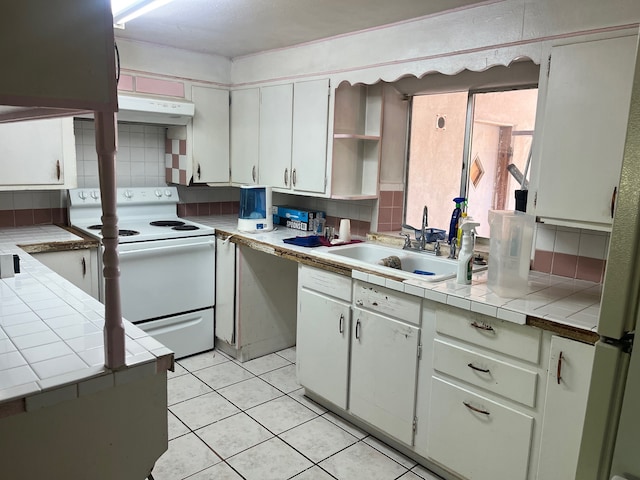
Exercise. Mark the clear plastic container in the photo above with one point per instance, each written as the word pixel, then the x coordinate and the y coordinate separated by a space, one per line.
pixel 509 252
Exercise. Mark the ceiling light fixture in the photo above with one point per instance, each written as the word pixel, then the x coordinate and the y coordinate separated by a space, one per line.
pixel 126 10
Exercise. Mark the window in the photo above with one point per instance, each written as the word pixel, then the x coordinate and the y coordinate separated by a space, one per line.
pixel 460 145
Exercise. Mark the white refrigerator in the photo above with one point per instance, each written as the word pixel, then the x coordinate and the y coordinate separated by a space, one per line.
pixel 610 447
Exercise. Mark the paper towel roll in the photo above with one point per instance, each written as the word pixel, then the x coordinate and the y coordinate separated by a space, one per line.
pixel 344 234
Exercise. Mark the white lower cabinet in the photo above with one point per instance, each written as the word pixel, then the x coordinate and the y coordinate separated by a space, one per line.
pixel 322 348
pixel 384 364
pixel 80 267
pixel 476 437
pixel 568 380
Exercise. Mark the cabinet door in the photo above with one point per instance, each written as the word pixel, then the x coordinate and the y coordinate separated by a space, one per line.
pixel 323 334
pixel 309 149
pixel 79 267
pixel 210 135
pixel 38 153
pixel 477 437
pixel 276 120
pixel 384 364
pixel 245 128
pixel 584 129
pixel 568 380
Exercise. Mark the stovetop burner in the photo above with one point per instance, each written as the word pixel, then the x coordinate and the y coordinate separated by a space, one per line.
pixel 185 227
pixel 167 223
pixel 127 233
pixel 95 227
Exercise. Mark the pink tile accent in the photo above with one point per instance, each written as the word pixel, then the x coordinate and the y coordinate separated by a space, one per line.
pixel 168 145
pixel 542 261
pixel 215 208
pixel 168 176
pixel 386 199
pixel 396 215
pixel 183 177
pixel 42 216
pixel 7 218
pixel 226 208
pixel 125 83
pixel 384 227
pixel 159 87
pixel 59 216
pixel 191 209
pixel 385 215
pixel 182 209
pixel 24 217
pixel 175 161
pixel 398 198
pixel 591 269
pixel 564 265
pixel 203 208
pixel 183 147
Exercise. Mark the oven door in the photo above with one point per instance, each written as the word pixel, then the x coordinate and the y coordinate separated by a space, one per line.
pixel 166 277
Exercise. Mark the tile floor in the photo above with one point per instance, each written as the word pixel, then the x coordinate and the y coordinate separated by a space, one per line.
pixel 232 421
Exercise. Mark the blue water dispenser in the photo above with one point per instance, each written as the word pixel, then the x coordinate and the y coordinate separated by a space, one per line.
pixel 255 209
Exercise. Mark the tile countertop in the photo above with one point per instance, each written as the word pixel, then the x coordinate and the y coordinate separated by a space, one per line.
pixel 51 332
pixel 560 304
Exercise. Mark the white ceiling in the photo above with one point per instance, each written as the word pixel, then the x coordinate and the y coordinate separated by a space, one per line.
pixel 233 28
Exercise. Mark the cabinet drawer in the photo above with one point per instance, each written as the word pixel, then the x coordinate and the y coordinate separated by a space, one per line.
pixel 388 302
pixel 325 282
pixel 483 371
pixel 519 341
pixel 476 437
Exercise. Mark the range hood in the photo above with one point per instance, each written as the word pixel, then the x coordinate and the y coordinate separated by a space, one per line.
pixel 152 110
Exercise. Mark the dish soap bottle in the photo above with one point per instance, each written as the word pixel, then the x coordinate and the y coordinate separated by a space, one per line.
pixel 465 258
pixel 455 215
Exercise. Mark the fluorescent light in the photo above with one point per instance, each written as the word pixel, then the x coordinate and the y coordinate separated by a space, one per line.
pixel 126 10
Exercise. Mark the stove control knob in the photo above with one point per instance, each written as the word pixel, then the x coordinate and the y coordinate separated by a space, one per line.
pixel 168 193
pixel 82 194
pixel 95 194
pixel 158 193
pixel 128 194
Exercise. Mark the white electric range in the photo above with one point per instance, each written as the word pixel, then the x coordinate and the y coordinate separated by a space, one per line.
pixel 167 264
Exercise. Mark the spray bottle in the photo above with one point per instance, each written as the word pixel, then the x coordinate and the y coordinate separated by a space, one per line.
pixel 455 215
pixel 465 257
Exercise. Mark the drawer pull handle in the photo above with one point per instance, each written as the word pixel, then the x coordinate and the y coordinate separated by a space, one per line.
pixel 482 326
pixel 58 170
pixel 84 267
pixel 476 409
pixel 559 369
pixel 341 323
pixel 253 173
pixel 358 329
pixel 286 177
pixel 478 369
pixel 613 200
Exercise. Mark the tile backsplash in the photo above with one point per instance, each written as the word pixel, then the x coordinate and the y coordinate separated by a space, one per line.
pixel 570 252
pixel 140 158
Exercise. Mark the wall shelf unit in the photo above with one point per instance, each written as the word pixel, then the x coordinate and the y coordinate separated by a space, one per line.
pixel 357 135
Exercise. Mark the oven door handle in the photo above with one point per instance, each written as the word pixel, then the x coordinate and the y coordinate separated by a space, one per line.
pixel 189 246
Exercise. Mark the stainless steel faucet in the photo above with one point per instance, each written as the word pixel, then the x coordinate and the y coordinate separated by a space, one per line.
pixel 425 224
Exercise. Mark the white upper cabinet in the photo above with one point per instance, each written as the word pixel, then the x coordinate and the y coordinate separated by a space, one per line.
pixel 583 131
pixel 38 154
pixel 245 132
pixel 310 122
pixel 210 127
pixel 276 119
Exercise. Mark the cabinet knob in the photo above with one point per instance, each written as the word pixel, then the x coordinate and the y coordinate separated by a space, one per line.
pixel 358 329
pixel 341 325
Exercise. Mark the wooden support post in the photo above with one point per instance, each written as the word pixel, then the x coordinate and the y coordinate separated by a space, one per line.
pixel 106 145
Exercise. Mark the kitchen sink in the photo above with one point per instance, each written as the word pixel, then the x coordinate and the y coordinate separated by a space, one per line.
pixel 433 268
